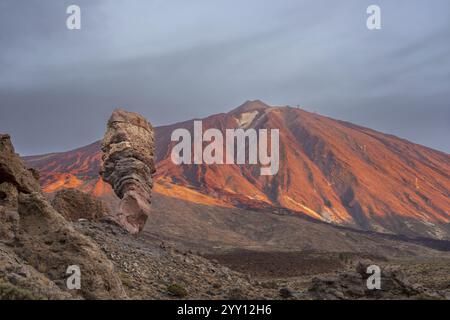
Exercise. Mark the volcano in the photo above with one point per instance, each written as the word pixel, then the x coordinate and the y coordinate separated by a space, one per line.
pixel 329 170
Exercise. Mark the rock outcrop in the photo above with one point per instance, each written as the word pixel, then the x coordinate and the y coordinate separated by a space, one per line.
pixel 37 244
pixel 73 205
pixel 128 165
pixel 353 285
pixel 13 171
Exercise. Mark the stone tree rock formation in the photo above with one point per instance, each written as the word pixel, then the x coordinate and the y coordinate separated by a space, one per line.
pixel 128 166
pixel 37 244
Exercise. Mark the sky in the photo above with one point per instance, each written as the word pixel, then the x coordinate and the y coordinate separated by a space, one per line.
pixel 173 60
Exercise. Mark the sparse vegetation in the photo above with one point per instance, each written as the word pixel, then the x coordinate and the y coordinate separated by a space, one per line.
pixel 177 290
pixel 8 291
pixel 126 280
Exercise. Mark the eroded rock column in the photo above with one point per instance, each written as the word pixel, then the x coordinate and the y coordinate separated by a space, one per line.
pixel 128 166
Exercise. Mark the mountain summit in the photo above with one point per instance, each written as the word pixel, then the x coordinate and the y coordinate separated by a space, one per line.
pixel 330 170
pixel 249 106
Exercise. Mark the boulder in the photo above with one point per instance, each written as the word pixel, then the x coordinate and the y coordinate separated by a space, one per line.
pixel 128 166
pixel 73 205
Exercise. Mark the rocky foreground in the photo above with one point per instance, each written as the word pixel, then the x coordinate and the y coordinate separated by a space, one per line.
pixel 37 244
pixel 151 269
pixel 40 240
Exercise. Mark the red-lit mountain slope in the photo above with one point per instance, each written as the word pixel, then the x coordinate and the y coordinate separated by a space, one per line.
pixel 330 170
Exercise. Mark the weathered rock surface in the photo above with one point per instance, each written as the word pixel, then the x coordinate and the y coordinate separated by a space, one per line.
pixel 37 244
pixel 13 170
pixel 21 281
pixel 73 205
pixel 50 243
pixel 128 165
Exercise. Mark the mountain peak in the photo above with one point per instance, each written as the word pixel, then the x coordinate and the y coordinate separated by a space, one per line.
pixel 250 105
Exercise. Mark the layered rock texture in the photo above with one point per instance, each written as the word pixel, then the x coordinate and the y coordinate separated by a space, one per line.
pixel 128 166
pixel 37 244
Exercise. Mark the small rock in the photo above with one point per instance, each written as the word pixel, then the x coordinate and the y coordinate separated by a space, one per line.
pixel 286 293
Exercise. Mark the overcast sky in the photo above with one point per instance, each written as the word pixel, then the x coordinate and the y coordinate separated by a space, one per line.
pixel 173 60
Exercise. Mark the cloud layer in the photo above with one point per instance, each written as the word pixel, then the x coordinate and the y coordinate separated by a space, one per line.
pixel 174 60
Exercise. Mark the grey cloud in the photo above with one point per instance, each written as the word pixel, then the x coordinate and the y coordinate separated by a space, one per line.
pixel 174 60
